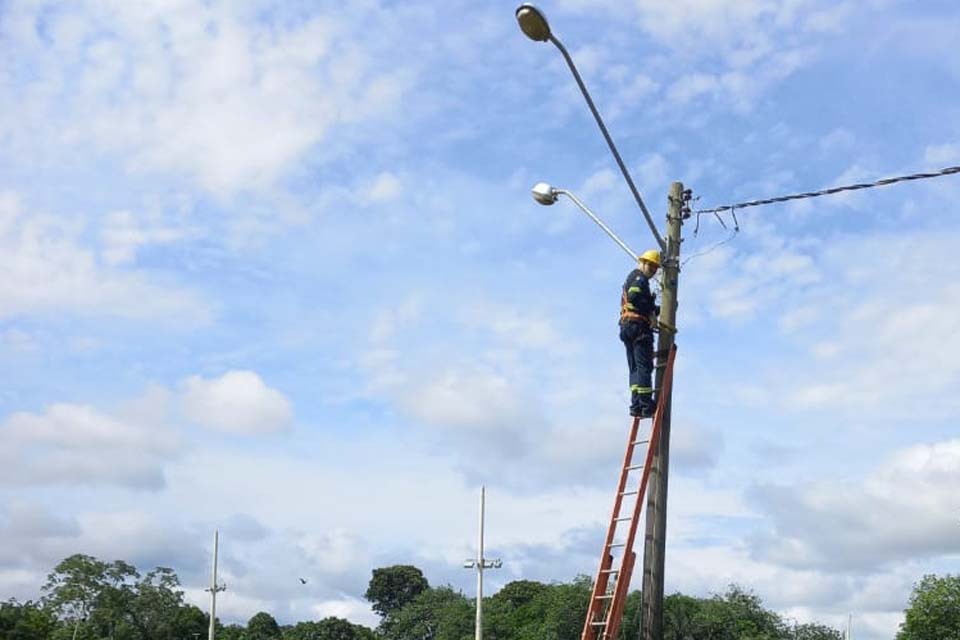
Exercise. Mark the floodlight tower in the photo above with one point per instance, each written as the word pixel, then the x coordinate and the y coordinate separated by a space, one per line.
pixel 480 563
pixel 214 587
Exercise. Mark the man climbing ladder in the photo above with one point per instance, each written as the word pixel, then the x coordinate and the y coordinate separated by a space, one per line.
pixel 638 317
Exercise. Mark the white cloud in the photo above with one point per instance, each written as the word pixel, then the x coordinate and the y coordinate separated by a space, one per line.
pixel 868 347
pixel 72 444
pixel 210 91
pixel 385 188
pixel 354 609
pixel 906 509
pixel 236 402
pixel 836 141
pixel 47 268
pixel 480 406
pixel 122 235
pixel 337 551
pixel 694 448
pixel 942 154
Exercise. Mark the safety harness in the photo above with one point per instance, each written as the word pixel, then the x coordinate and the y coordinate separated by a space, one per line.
pixel 628 312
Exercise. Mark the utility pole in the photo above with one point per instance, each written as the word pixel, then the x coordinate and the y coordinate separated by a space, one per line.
pixel 480 564
pixel 534 25
pixel 214 587
pixel 656 520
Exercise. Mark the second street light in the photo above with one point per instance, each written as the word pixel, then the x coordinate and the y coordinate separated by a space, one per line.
pixel 547 195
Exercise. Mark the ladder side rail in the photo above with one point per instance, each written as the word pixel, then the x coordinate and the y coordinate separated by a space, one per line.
pixel 626 565
pixel 620 601
pixel 600 583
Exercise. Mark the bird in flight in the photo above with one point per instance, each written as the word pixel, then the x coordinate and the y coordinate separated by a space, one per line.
pixel 303 581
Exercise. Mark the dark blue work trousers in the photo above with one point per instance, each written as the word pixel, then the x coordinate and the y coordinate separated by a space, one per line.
pixel 638 339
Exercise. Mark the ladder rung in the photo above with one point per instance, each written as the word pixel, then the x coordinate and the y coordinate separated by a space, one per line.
pixel 635 467
pixel 617 544
pixel 598 624
pixel 628 493
pixel 641 442
pixel 610 571
pixel 624 518
pixel 604 597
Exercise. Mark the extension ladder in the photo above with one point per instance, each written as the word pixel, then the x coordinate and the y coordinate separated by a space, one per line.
pixel 605 610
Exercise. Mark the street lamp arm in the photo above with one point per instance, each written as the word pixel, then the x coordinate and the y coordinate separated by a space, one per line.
pixel 599 222
pixel 613 149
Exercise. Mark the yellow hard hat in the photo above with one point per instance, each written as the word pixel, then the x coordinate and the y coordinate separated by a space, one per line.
pixel 650 255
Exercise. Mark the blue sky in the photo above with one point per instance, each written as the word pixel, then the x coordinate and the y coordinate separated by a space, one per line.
pixel 274 268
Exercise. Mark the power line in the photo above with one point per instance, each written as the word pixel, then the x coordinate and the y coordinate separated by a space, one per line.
pixel 826 192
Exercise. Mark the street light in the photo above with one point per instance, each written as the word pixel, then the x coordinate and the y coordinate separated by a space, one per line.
pixel 546 195
pixel 535 26
pixel 533 23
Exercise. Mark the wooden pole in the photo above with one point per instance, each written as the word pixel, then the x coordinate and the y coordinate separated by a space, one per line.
pixel 656 520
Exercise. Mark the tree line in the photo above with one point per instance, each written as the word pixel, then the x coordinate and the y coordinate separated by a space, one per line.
pixel 89 599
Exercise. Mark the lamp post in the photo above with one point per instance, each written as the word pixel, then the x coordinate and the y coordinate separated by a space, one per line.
pixel 480 563
pixel 535 26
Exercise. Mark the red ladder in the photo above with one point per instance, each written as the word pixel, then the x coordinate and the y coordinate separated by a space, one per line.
pixel 606 607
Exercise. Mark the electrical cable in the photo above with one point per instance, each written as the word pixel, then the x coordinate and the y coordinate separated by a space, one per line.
pixel 832 190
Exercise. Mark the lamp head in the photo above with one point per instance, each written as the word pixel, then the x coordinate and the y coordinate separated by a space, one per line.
pixel 544 193
pixel 533 23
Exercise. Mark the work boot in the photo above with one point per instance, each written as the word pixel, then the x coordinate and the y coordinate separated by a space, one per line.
pixel 646 411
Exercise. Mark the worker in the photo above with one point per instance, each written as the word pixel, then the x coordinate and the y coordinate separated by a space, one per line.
pixel 638 316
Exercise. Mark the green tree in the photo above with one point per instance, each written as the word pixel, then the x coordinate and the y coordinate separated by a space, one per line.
pixel 262 626
pixel 393 587
pixel 519 592
pixel 510 610
pixel 558 612
pixel 77 583
pixel 435 614
pixel 27 621
pixel 190 622
pixel 679 617
pixel 934 610
pixel 230 632
pixel 630 622
pixel 153 605
pixel 737 615
pixel 100 599
pixel 813 631
pixel 88 596
pixel 331 628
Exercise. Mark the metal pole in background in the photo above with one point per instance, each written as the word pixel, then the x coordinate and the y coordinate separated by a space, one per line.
pixel 654 546
pixel 214 588
pixel 480 563
pixel 478 632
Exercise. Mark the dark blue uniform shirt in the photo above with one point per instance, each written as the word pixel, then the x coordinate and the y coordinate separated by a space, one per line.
pixel 637 294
